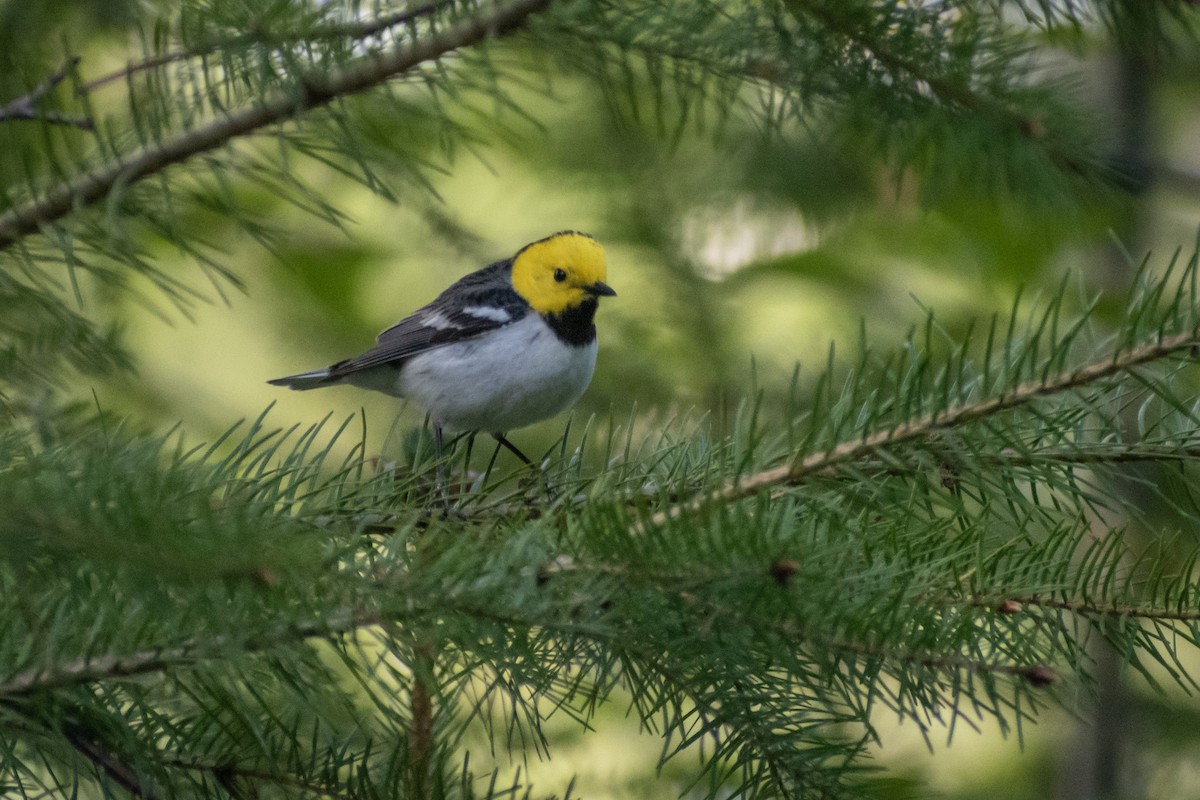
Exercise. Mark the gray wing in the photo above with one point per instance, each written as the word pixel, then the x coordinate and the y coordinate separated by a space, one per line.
pixel 480 302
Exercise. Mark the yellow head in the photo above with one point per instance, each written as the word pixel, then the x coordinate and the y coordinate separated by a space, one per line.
pixel 560 272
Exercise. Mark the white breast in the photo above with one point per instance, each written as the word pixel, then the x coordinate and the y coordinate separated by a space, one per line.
pixel 512 377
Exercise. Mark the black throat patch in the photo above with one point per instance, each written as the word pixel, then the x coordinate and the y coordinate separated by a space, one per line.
pixel 576 325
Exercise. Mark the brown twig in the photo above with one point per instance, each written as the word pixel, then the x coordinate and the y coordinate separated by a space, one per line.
pixel 1048 456
pixel 421 739
pixel 1014 605
pixel 24 107
pixel 86 670
pixel 313 92
pixel 1037 675
pixel 227 775
pixel 110 764
pixel 824 462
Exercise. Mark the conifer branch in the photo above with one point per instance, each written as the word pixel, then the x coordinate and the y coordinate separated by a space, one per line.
pixel 24 108
pixel 314 91
pixel 348 30
pixel 1133 454
pixel 1015 605
pixel 826 462
pixel 106 667
pixel 421 733
pixel 97 668
pixel 953 93
pixel 1051 456
pixel 226 774
pixel 110 764
pixel 1037 675
pixel 716 714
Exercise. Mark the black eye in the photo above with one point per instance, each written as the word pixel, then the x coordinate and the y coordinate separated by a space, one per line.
pixel 560 275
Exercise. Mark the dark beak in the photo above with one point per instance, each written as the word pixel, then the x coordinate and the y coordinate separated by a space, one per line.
pixel 601 289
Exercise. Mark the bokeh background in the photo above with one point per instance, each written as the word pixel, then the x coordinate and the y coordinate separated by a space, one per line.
pixel 740 251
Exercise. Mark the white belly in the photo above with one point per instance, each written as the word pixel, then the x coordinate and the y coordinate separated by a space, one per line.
pixel 513 377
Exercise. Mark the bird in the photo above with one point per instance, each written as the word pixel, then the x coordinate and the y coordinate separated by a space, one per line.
pixel 504 347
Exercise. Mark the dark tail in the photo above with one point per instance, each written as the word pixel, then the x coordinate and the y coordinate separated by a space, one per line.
pixel 307 380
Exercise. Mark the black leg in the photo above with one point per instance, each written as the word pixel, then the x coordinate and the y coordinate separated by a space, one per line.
pixel 499 437
pixel 441 466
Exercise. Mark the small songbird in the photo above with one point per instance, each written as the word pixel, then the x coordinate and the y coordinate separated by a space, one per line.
pixel 504 347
